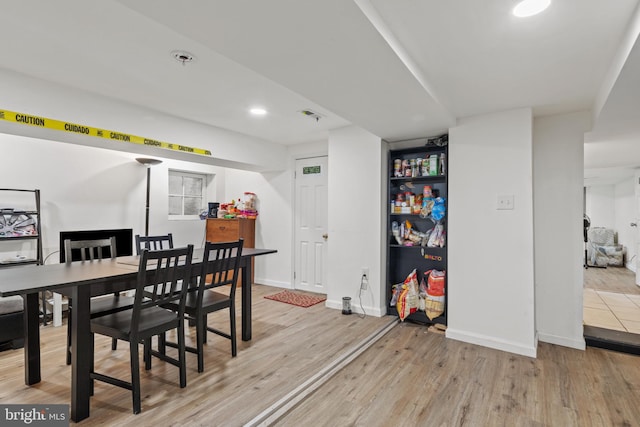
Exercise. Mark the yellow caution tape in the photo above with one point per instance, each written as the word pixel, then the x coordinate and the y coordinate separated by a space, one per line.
pixel 46 123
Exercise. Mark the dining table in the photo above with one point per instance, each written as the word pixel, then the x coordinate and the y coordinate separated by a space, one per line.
pixel 82 280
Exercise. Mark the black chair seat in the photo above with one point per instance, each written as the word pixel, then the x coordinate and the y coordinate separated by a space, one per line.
pixel 102 306
pixel 211 301
pixel 152 321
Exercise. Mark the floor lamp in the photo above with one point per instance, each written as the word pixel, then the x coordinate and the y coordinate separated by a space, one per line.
pixel 148 163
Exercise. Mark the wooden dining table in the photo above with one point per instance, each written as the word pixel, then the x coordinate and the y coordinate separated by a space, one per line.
pixel 82 280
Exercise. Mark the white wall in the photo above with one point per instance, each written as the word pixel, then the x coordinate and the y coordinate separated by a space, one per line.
pixel 600 205
pixel 357 206
pixel 558 143
pixel 274 224
pixel 490 251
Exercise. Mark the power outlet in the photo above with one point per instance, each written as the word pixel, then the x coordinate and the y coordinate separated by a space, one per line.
pixel 364 279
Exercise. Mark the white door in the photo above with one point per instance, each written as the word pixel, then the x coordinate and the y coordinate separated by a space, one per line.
pixel 311 224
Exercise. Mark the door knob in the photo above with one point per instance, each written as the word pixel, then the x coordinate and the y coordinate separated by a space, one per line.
pixel 325 236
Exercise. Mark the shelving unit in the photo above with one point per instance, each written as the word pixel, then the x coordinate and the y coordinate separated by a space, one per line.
pixel 403 257
pixel 19 224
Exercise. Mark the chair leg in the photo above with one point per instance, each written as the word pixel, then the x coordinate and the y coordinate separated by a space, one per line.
pixel 92 356
pixel 69 334
pixel 114 344
pixel 135 376
pixel 182 359
pixel 204 333
pixel 232 323
pixel 147 354
pixel 201 332
pixel 162 343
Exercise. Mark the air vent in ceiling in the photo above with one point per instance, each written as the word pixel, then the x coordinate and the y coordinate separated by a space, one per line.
pixel 312 114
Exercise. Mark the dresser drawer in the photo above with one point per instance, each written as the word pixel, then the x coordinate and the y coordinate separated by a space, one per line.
pixel 223 230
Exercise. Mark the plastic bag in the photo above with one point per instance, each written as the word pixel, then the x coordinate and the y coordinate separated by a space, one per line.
pixel 435 299
pixel 408 300
pixel 438 211
pixel 436 237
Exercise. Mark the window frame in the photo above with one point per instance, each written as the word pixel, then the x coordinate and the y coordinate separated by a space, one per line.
pixel 205 181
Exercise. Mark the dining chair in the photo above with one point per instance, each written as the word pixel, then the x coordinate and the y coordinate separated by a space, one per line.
pixel 91 250
pixel 159 273
pixel 153 243
pixel 216 290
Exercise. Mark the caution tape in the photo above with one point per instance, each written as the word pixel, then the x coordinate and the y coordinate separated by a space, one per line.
pixel 47 123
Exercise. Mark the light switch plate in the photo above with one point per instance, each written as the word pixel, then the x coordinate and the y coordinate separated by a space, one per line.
pixel 505 202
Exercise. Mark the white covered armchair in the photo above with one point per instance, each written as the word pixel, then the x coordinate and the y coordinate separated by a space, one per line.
pixel 603 249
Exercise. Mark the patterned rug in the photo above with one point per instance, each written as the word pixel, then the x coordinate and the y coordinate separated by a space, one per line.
pixel 297 298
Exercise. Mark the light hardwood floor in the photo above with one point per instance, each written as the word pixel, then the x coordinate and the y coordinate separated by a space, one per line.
pixel 618 280
pixel 612 299
pixel 418 378
pixel 410 377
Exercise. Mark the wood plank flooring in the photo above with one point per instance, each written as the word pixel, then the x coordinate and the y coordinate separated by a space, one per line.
pixel 289 344
pixel 418 378
pixel 410 377
pixel 611 279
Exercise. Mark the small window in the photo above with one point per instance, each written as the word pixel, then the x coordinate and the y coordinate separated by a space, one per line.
pixel 186 194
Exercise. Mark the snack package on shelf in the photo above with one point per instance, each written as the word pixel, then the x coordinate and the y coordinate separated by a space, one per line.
pixel 422 295
pixel 438 210
pixel 436 237
pixel 405 234
pixel 435 297
pixel 408 301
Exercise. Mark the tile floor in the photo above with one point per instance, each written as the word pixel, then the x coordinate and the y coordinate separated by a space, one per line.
pixel 609 310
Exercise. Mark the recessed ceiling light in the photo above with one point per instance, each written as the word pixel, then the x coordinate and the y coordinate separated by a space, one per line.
pixel 257 111
pixel 530 7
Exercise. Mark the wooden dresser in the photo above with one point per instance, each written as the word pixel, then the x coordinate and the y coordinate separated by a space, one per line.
pixel 227 230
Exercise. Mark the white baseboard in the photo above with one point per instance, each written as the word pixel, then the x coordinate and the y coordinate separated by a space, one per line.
pixel 355 308
pixel 491 342
pixel 274 283
pixel 577 343
pixel 631 266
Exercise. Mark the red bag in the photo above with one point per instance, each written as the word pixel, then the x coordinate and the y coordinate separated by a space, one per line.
pixel 435 282
pixel 435 300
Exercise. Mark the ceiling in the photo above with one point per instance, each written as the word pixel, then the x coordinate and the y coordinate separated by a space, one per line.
pixel 400 69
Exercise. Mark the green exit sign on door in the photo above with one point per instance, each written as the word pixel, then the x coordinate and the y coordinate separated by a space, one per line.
pixel 307 170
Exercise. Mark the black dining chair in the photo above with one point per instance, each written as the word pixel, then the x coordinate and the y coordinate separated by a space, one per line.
pixel 160 274
pixel 216 290
pixel 90 250
pixel 153 243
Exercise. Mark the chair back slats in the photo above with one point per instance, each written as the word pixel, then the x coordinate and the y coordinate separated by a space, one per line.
pixel 220 266
pixel 161 275
pixel 90 249
pixel 153 243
